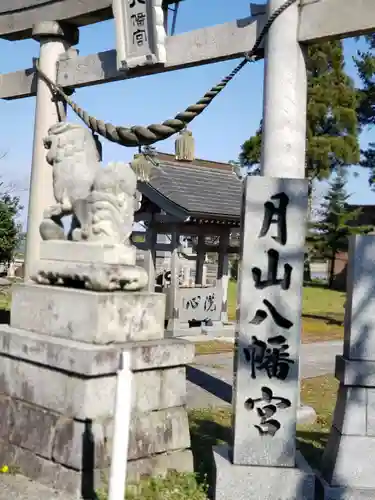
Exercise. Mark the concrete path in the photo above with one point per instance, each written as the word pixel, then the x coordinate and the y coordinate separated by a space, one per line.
pixel 209 378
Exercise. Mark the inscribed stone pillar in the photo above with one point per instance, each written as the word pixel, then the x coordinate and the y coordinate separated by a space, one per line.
pixel 268 332
pixel 54 39
pixel 347 465
pixel 263 455
pixel 223 274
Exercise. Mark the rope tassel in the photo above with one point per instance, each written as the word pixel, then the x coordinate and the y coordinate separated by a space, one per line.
pixel 142 167
pixel 143 136
pixel 185 146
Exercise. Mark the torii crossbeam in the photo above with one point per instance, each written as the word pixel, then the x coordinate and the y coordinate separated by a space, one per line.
pixel 319 20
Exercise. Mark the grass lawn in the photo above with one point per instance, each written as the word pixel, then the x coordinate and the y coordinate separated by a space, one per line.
pixel 322 317
pixel 322 312
pixel 213 347
pixel 5 298
pixel 209 427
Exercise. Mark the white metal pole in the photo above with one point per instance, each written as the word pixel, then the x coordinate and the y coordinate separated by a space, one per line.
pixel 120 441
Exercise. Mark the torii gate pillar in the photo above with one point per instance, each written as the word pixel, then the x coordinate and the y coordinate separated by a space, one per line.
pixel 285 97
pixel 54 38
pixel 263 462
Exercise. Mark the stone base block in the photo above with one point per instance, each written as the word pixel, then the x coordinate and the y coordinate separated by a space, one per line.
pixel 87 252
pixel 326 492
pixel 57 401
pixel 86 316
pixel 266 483
pixel 347 460
pixel 82 377
pixel 73 444
pixel 92 360
pixel 82 484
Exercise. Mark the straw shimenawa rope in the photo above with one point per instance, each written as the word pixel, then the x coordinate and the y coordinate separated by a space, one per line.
pixel 142 136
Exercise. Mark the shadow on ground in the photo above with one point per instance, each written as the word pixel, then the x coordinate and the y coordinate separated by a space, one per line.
pixel 327 319
pixel 209 383
pixel 311 444
pixel 4 317
pixel 205 434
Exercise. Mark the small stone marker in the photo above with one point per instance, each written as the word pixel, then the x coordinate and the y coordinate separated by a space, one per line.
pixel 347 465
pixel 266 384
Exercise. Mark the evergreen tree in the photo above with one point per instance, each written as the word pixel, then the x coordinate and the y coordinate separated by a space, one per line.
pixel 332 125
pixel 10 231
pixel 329 233
pixel 365 63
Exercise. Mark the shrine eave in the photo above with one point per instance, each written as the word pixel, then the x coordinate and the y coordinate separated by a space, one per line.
pixel 202 220
pixel 180 214
pixel 195 194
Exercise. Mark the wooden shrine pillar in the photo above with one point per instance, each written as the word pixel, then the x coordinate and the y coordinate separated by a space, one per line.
pixel 200 260
pixel 150 257
pixel 223 273
pixel 173 289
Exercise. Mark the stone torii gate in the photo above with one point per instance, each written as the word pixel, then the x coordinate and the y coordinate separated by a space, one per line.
pixel 283 167
pixel 312 20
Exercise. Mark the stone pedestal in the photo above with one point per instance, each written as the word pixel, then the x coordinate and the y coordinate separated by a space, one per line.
pixel 266 483
pixel 58 364
pixel 85 316
pixel 94 265
pixel 347 465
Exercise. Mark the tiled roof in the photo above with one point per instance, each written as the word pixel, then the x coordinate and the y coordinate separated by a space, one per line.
pixel 212 190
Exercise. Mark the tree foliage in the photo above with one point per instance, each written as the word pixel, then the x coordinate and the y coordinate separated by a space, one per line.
pixel 332 125
pixel 335 222
pixel 365 63
pixel 10 231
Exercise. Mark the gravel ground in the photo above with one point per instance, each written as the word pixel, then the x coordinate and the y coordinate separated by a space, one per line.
pixel 20 488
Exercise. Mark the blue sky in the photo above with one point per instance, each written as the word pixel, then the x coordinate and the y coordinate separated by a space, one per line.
pixel 219 131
